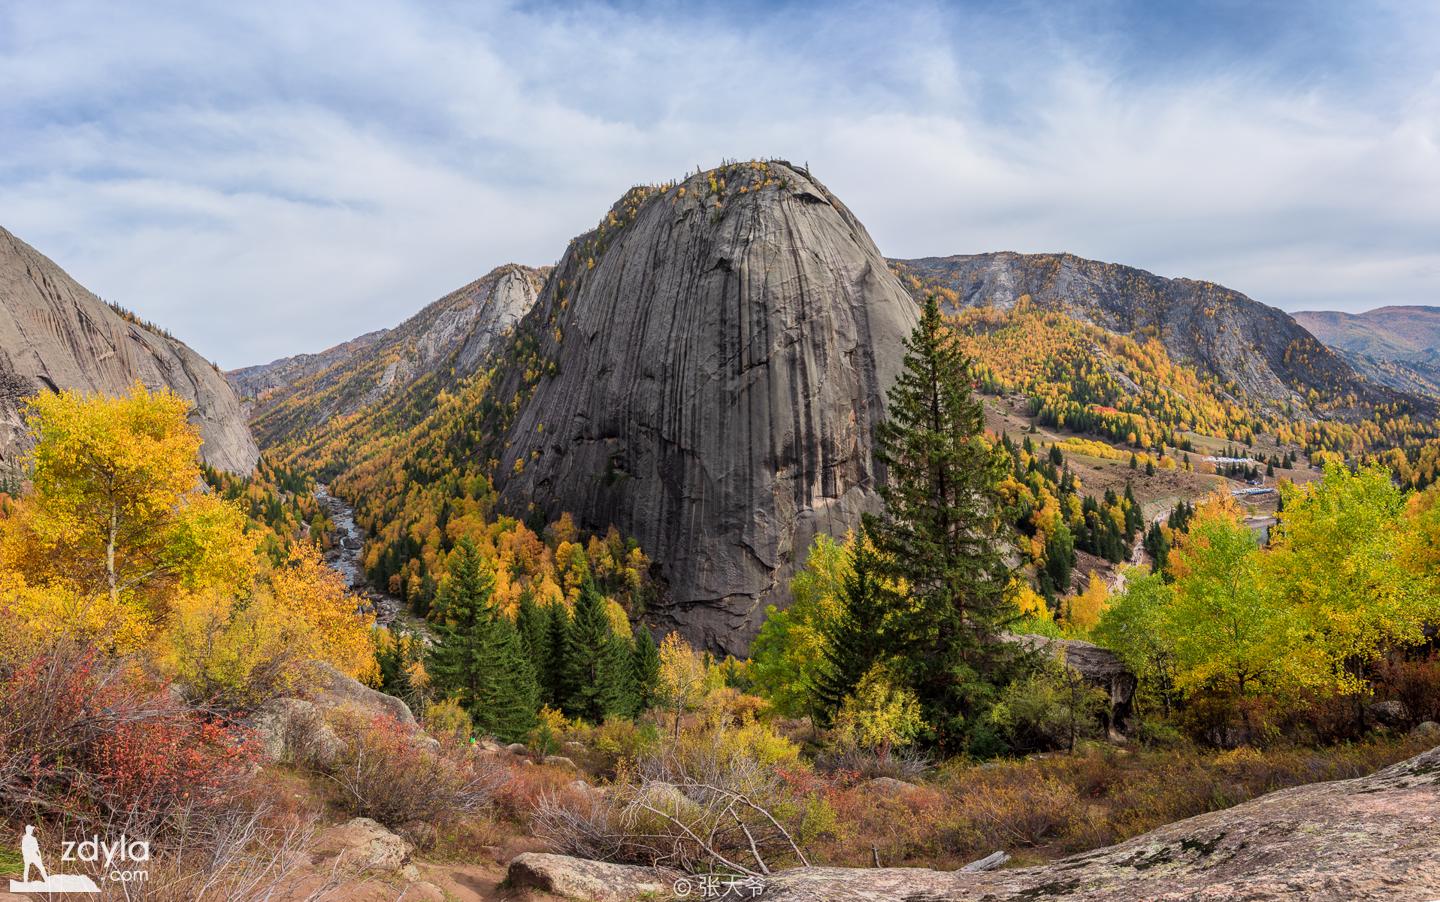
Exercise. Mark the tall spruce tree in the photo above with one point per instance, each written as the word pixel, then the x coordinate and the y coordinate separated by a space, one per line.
pixel 855 640
pixel 941 533
pixel 597 667
pixel 645 671
pixel 554 681
pixel 531 622
pixel 478 658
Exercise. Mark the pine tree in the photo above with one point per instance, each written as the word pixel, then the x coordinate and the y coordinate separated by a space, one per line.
pixel 596 666
pixel 645 671
pixel 941 534
pixel 509 694
pixel 478 658
pixel 854 641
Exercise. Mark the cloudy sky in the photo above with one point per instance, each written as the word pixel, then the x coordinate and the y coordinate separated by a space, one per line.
pixel 270 178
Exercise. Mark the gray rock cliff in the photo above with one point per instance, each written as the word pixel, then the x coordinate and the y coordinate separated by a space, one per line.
pixel 56 335
pixel 705 371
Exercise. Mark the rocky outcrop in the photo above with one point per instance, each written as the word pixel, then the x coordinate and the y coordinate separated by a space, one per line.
pixel 705 371
pixel 1374 838
pixel 589 881
pixel 451 336
pixel 56 335
pixel 1262 354
pixel 1099 667
pixel 299 731
pixel 364 844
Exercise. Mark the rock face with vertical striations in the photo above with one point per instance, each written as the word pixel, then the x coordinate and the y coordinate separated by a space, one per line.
pixel 55 335
pixel 705 371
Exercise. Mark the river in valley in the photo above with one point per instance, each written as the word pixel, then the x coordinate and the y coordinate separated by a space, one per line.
pixel 344 558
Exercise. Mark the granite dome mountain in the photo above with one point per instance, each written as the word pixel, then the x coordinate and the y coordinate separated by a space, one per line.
pixel 57 335
pixel 716 356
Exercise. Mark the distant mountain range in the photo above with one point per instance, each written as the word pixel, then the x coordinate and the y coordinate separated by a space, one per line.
pixel 1270 360
pixel 1397 346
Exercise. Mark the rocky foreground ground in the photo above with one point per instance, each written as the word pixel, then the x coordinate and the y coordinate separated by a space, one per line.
pixel 1373 838
pixel 1377 837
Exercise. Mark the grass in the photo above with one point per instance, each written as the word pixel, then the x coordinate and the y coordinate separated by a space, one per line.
pixel 11 864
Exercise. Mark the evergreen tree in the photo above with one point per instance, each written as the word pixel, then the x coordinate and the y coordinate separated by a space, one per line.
pixel 554 684
pixel 1158 547
pixel 854 641
pixel 532 624
pixel 1059 561
pixel 941 534
pixel 478 658
pixel 596 666
pixel 645 671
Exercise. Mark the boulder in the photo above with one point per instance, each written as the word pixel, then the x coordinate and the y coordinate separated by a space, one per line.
pixel 1373 838
pixel 591 881
pixel 333 689
pixel 888 786
pixel 365 844
pixel 559 761
pixel 294 731
pixel 1390 713
pixel 1429 731
pixel 517 748
pixel 1100 667
pixel 583 788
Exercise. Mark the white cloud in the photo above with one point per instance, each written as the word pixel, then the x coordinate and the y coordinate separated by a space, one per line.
pixel 266 179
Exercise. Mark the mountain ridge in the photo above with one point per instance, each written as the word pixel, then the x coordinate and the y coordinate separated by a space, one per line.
pixel 1269 356
pixel 456 331
pixel 1397 345
pixel 55 334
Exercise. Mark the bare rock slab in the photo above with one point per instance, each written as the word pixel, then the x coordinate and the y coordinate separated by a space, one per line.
pixel 590 881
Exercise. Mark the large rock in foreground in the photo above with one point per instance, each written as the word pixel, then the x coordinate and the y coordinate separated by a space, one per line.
pixel 704 371
pixel 590 881
pixel 1373 838
pixel 56 335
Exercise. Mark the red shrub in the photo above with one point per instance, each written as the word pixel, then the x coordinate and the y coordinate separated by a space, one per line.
pixel 96 741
